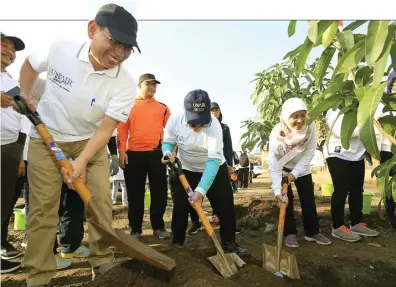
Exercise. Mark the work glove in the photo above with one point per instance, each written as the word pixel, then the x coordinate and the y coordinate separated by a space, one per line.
pixel 114 167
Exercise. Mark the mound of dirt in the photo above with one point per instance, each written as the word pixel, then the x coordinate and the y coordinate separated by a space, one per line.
pixel 191 271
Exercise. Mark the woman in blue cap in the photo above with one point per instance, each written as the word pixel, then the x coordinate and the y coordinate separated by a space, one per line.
pixel 198 136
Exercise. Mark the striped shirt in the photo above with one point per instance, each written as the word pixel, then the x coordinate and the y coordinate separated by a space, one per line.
pixel 144 129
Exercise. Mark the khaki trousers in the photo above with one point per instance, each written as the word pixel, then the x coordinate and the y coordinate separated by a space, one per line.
pixel 45 183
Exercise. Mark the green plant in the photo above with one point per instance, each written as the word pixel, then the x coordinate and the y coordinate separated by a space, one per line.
pixel 273 87
pixel 356 82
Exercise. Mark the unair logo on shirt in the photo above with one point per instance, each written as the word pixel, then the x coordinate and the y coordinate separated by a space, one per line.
pixel 60 80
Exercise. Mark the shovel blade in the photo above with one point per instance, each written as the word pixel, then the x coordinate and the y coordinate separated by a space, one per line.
pixel 127 244
pixel 228 266
pixel 288 262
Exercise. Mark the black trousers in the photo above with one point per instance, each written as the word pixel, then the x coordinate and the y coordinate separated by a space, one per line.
pixel 11 156
pixel 390 205
pixel 71 221
pixel 348 179
pixel 243 176
pixel 307 199
pixel 220 196
pixel 140 164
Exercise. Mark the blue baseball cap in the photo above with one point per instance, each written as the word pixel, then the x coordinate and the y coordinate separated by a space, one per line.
pixel 197 106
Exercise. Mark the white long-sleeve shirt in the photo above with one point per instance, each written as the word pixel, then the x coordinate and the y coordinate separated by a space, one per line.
pixel 383 142
pixel 300 164
pixel 335 149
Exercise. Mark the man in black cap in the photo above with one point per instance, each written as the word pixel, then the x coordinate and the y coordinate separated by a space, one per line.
pixel 88 92
pixel 198 136
pixel 139 145
pixel 12 143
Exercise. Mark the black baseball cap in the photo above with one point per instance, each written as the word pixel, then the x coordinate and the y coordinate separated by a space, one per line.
pixel 121 24
pixel 214 105
pixel 197 107
pixel 148 78
pixel 19 44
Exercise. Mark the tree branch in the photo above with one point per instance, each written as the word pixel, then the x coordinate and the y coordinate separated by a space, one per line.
pixel 384 133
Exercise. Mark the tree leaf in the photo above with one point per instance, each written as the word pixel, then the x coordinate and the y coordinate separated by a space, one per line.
pixel 346 40
pixel 293 53
pixel 376 36
pixel 361 92
pixel 350 59
pixel 349 123
pixel 380 64
pixel 388 119
pixel 324 105
pixel 354 25
pixel 363 75
pixel 303 55
pixel 393 56
pixel 366 110
pixel 329 34
pixel 313 30
pixel 292 28
pixel 323 64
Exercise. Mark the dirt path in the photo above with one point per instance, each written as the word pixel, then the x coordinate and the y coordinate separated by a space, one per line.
pixel 371 262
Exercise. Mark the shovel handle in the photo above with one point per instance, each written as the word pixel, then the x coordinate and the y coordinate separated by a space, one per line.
pixel 34 117
pixel 281 222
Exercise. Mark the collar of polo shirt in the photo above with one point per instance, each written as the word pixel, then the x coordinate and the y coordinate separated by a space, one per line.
pixel 83 55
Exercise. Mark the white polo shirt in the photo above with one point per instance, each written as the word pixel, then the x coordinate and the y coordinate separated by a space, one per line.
pixel 77 97
pixel 10 119
pixel 194 148
pixel 335 149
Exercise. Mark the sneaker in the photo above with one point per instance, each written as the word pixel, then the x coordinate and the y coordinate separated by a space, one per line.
pixel 291 241
pixel 102 269
pixel 215 219
pixel 24 241
pixel 345 234
pixel 237 231
pixel 161 233
pixel 234 248
pixel 135 235
pixel 195 228
pixel 8 266
pixel 8 251
pixel 125 204
pixel 362 229
pixel 81 252
pixel 62 263
pixel 114 202
pixel 319 239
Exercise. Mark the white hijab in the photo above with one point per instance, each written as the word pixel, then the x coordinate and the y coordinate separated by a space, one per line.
pixel 290 142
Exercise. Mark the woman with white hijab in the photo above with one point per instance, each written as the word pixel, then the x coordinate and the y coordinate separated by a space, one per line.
pixel 292 146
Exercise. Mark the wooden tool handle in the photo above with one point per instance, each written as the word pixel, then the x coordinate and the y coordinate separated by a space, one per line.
pixel 79 185
pixel 197 206
pixel 281 224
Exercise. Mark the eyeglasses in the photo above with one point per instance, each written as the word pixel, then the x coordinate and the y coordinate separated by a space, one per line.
pixel 127 48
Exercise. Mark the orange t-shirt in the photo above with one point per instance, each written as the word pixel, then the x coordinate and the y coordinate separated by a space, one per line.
pixel 144 128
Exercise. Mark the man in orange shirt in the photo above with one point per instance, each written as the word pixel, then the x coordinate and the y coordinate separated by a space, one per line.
pixel 142 156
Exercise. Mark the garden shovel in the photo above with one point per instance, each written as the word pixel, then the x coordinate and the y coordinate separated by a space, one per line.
pixel 275 259
pixel 226 264
pixel 117 238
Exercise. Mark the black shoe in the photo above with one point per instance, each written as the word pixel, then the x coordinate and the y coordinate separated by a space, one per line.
pixel 195 228
pixel 8 266
pixel 8 251
pixel 234 248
